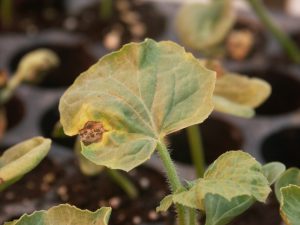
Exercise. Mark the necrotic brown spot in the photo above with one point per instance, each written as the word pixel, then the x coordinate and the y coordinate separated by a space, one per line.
pixel 92 132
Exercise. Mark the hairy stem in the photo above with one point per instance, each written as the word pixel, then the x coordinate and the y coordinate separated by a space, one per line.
pixel 290 47
pixel 127 186
pixel 106 7
pixel 196 149
pixel 6 12
pixel 173 179
pixel 193 217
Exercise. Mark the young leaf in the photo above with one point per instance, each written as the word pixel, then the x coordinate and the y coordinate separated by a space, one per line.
pixel 290 204
pixel 65 214
pixel 165 204
pixel 86 166
pixel 239 95
pixel 290 176
pixel 273 171
pixel 220 211
pixel 22 158
pixel 233 174
pixel 130 99
pixel 204 25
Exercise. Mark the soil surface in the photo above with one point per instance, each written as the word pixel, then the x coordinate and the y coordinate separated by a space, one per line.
pixel 283 146
pixel 218 137
pixel 30 16
pixel 129 21
pixel 15 111
pixel 33 185
pixel 47 124
pixel 97 191
pixel 74 59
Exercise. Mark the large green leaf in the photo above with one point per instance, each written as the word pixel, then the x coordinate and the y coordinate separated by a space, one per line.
pixel 202 26
pixel 65 215
pixel 290 176
pixel 290 204
pixel 22 158
pixel 130 99
pixel 233 174
pixel 273 171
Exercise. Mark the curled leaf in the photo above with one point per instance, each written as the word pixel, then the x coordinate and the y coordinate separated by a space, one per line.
pixel 233 174
pixel 139 95
pixel 239 95
pixel 273 171
pixel 22 158
pixel 290 176
pixel 165 204
pixel 204 25
pixel 33 64
pixel 65 214
pixel 86 166
pixel 290 204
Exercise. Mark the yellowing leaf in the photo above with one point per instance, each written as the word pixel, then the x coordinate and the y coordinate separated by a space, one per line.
pixel 65 215
pixel 165 204
pixel 235 173
pixel 136 96
pixel 290 176
pixel 242 90
pixel 204 25
pixel 290 204
pixel 22 158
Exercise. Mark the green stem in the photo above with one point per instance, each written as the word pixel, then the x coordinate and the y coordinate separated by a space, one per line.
pixel 196 149
pixel 173 179
pixel 290 47
pixel 6 12
pixel 106 8
pixel 124 183
pixel 11 86
pixel 193 217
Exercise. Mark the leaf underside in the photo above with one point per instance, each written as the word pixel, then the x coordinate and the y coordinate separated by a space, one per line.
pixel 290 205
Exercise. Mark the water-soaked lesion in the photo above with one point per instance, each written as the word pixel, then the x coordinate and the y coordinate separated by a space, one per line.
pixel 92 132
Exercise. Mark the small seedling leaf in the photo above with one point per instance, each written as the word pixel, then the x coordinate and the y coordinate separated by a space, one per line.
pixel 273 171
pixel 165 204
pixel 290 176
pixel 64 215
pixel 202 26
pixel 290 204
pixel 22 158
pixel 137 95
pixel 237 94
pixel 233 174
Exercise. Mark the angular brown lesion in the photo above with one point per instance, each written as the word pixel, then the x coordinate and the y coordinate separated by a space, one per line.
pixel 92 132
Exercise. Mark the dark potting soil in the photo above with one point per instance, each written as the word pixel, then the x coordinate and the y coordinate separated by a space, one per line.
pixel 30 16
pixel 285 96
pixel 283 146
pixel 97 191
pixel 259 44
pixel 33 185
pixel 47 123
pixel 15 111
pixel 74 59
pixel 260 214
pixel 129 21
pixel 218 137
